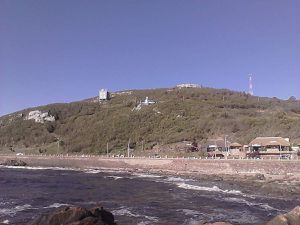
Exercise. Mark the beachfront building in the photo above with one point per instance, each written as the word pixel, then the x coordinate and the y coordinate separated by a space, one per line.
pixel 217 147
pixel 236 150
pixel 270 147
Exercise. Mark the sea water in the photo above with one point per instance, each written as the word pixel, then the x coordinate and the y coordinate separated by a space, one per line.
pixel 134 199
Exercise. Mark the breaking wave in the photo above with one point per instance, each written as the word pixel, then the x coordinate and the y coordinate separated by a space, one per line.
pixel 190 212
pixel 92 171
pixel 127 212
pixel 55 205
pixel 40 168
pixel 264 206
pixel 13 211
pixel 113 177
pixel 203 188
pixel 143 175
pixel 177 179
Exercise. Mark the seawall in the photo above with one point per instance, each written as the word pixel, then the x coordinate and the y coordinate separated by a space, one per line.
pixel 199 166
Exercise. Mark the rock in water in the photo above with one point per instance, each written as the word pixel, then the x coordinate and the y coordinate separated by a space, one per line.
pixel 13 162
pixel 290 218
pixel 260 176
pixel 76 216
pixel 107 217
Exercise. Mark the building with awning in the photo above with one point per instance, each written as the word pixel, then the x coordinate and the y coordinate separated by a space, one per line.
pixel 270 146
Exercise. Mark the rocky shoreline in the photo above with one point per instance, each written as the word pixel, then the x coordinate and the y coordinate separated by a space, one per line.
pixel 99 216
pixel 13 162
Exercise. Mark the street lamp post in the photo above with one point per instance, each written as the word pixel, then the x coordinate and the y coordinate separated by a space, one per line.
pixel 57 145
pixel 107 149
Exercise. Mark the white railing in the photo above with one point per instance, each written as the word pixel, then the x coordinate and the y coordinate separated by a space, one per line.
pixel 297 158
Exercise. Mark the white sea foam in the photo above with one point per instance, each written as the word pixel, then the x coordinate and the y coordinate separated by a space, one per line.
pixel 3 203
pixel 55 205
pixel 145 223
pixel 268 207
pixel 5 222
pixel 40 168
pixel 264 206
pixel 127 212
pixel 14 210
pixel 92 171
pixel 177 179
pixel 143 175
pixel 113 177
pixel 124 212
pixel 105 170
pixel 192 222
pixel 203 188
pixel 190 212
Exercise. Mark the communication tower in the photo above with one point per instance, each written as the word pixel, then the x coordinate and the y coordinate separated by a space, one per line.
pixel 250 85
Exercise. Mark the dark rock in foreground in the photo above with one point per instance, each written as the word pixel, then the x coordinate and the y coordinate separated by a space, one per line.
pixel 76 216
pixel 290 218
pixel 13 162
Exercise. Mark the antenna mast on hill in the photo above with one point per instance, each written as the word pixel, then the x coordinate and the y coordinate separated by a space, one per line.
pixel 250 85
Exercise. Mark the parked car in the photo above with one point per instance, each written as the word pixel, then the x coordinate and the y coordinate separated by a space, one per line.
pixel 285 156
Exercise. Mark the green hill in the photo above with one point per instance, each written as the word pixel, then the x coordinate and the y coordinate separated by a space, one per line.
pixel 178 115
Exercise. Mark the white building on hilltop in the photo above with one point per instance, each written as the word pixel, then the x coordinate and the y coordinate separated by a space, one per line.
pixel 148 102
pixel 103 95
pixel 188 86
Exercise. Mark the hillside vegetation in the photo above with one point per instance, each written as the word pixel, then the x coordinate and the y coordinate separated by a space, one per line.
pixel 179 114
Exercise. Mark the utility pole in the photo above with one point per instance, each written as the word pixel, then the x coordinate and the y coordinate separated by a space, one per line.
pixel 128 148
pixel 280 151
pixel 225 139
pixel 107 149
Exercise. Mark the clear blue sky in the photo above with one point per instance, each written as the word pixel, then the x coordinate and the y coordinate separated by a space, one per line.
pixel 65 50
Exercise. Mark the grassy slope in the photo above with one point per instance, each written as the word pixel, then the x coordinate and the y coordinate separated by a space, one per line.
pixel 185 114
